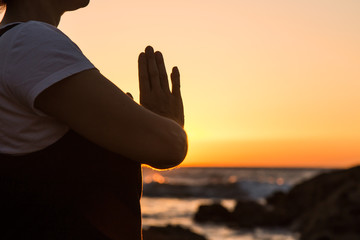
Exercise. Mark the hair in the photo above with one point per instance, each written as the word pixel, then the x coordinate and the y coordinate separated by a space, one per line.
pixel 3 2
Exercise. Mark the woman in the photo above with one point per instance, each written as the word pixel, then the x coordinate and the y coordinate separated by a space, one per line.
pixel 71 142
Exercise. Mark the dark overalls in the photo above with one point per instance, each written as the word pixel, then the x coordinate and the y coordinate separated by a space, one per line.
pixel 59 193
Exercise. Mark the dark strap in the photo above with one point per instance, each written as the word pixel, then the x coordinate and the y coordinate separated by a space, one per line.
pixel 7 28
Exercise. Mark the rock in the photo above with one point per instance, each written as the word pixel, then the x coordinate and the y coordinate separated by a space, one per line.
pixel 326 207
pixel 338 215
pixel 276 199
pixel 249 214
pixel 306 195
pixel 170 233
pixel 215 213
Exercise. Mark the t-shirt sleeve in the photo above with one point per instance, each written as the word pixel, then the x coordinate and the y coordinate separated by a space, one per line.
pixel 41 56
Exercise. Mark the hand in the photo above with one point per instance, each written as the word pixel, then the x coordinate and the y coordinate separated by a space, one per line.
pixel 155 93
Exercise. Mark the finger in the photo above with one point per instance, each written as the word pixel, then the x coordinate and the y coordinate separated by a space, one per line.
pixel 175 81
pixel 164 81
pixel 131 96
pixel 144 82
pixel 153 71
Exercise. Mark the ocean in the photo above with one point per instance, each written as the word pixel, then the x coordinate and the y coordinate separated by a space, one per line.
pixel 173 197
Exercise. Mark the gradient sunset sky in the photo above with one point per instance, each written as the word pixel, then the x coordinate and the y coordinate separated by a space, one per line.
pixel 264 82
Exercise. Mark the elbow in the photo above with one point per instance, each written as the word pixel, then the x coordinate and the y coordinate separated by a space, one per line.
pixel 175 150
pixel 178 151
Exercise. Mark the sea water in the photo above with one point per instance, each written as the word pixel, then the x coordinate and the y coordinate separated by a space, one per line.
pixel 173 197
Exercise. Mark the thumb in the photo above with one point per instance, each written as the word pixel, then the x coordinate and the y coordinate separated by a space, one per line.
pixel 130 96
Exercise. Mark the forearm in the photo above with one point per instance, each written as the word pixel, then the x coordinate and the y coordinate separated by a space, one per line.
pixel 145 137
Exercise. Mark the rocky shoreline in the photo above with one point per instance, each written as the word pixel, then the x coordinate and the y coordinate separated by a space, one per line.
pixel 326 207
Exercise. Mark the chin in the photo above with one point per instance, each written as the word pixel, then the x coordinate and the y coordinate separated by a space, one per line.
pixel 76 4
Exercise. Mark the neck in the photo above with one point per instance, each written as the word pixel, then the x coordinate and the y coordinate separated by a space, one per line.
pixel 23 11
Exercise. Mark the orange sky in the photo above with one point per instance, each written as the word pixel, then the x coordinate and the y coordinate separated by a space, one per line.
pixel 265 83
pixel 275 153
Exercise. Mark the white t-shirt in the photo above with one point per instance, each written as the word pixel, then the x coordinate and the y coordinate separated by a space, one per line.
pixel 33 56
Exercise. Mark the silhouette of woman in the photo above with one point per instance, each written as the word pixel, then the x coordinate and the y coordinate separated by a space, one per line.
pixel 71 142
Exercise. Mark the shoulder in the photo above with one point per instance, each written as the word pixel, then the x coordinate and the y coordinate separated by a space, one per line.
pixel 37 25
pixel 40 41
pixel 35 32
pixel 39 44
pixel 45 56
pixel 33 28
